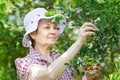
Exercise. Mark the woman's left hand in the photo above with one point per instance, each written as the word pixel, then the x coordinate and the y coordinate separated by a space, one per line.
pixel 88 76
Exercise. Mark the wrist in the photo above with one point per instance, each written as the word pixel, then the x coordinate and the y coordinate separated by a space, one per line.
pixel 80 41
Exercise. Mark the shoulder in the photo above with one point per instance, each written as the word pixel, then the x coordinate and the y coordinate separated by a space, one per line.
pixel 22 60
pixel 22 66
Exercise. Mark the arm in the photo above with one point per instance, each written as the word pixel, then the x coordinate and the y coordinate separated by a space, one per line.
pixel 57 67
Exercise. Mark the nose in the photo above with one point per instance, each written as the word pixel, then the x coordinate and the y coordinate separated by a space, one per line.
pixel 53 30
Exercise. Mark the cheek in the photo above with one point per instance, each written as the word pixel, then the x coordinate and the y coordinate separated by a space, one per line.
pixel 38 37
pixel 40 40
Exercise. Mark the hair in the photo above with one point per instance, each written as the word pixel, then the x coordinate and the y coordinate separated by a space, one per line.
pixel 32 41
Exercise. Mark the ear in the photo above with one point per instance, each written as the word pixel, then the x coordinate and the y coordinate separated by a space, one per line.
pixel 32 35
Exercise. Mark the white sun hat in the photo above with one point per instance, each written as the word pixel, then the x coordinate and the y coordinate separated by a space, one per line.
pixel 31 23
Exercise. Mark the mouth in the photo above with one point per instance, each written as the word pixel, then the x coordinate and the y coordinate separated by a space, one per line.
pixel 52 38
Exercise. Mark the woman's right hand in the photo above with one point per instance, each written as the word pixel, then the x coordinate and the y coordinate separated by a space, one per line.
pixel 86 30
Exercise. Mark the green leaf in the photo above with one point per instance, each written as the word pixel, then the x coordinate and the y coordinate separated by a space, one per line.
pixel 57 3
pixel 75 3
pixel 50 13
pixel 100 1
pixel 57 19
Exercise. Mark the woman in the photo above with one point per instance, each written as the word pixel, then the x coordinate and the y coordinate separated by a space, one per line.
pixel 41 34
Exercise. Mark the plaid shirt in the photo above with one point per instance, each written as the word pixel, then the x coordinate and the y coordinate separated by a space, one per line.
pixel 23 64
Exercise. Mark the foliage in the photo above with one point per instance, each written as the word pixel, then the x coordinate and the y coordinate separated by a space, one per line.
pixel 115 75
pixel 104 46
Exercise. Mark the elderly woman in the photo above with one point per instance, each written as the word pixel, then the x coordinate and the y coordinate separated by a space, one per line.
pixel 41 63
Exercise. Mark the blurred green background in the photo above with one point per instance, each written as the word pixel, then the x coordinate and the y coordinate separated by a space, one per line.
pixel 104 46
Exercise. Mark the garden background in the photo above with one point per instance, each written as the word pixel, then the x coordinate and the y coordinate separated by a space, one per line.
pixel 104 46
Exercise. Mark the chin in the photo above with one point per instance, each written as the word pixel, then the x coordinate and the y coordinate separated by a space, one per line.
pixel 52 43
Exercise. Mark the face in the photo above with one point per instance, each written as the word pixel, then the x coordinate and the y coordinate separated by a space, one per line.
pixel 46 34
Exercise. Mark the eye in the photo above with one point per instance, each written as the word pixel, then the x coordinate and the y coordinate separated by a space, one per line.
pixel 47 27
pixel 55 27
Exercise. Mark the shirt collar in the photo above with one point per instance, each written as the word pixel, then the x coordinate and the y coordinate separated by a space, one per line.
pixel 36 55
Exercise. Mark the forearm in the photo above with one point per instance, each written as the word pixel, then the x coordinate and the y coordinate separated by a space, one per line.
pixel 57 67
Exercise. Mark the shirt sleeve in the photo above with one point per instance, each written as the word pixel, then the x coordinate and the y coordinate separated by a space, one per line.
pixel 22 66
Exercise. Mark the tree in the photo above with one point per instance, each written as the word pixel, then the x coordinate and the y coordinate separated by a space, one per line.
pixel 102 47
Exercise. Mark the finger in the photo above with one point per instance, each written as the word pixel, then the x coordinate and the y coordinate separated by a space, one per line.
pixel 87 76
pixel 89 29
pixel 96 74
pixel 89 24
pixel 89 33
pixel 90 76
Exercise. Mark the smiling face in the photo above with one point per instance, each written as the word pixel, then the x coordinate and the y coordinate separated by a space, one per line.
pixel 46 34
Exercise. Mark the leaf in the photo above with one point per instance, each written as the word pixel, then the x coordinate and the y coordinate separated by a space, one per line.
pixel 50 13
pixel 75 3
pixel 57 19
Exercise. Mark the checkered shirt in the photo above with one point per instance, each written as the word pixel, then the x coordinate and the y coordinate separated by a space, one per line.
pixel 23 64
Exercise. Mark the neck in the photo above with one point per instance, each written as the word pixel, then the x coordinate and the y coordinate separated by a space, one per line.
pixel 43 49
